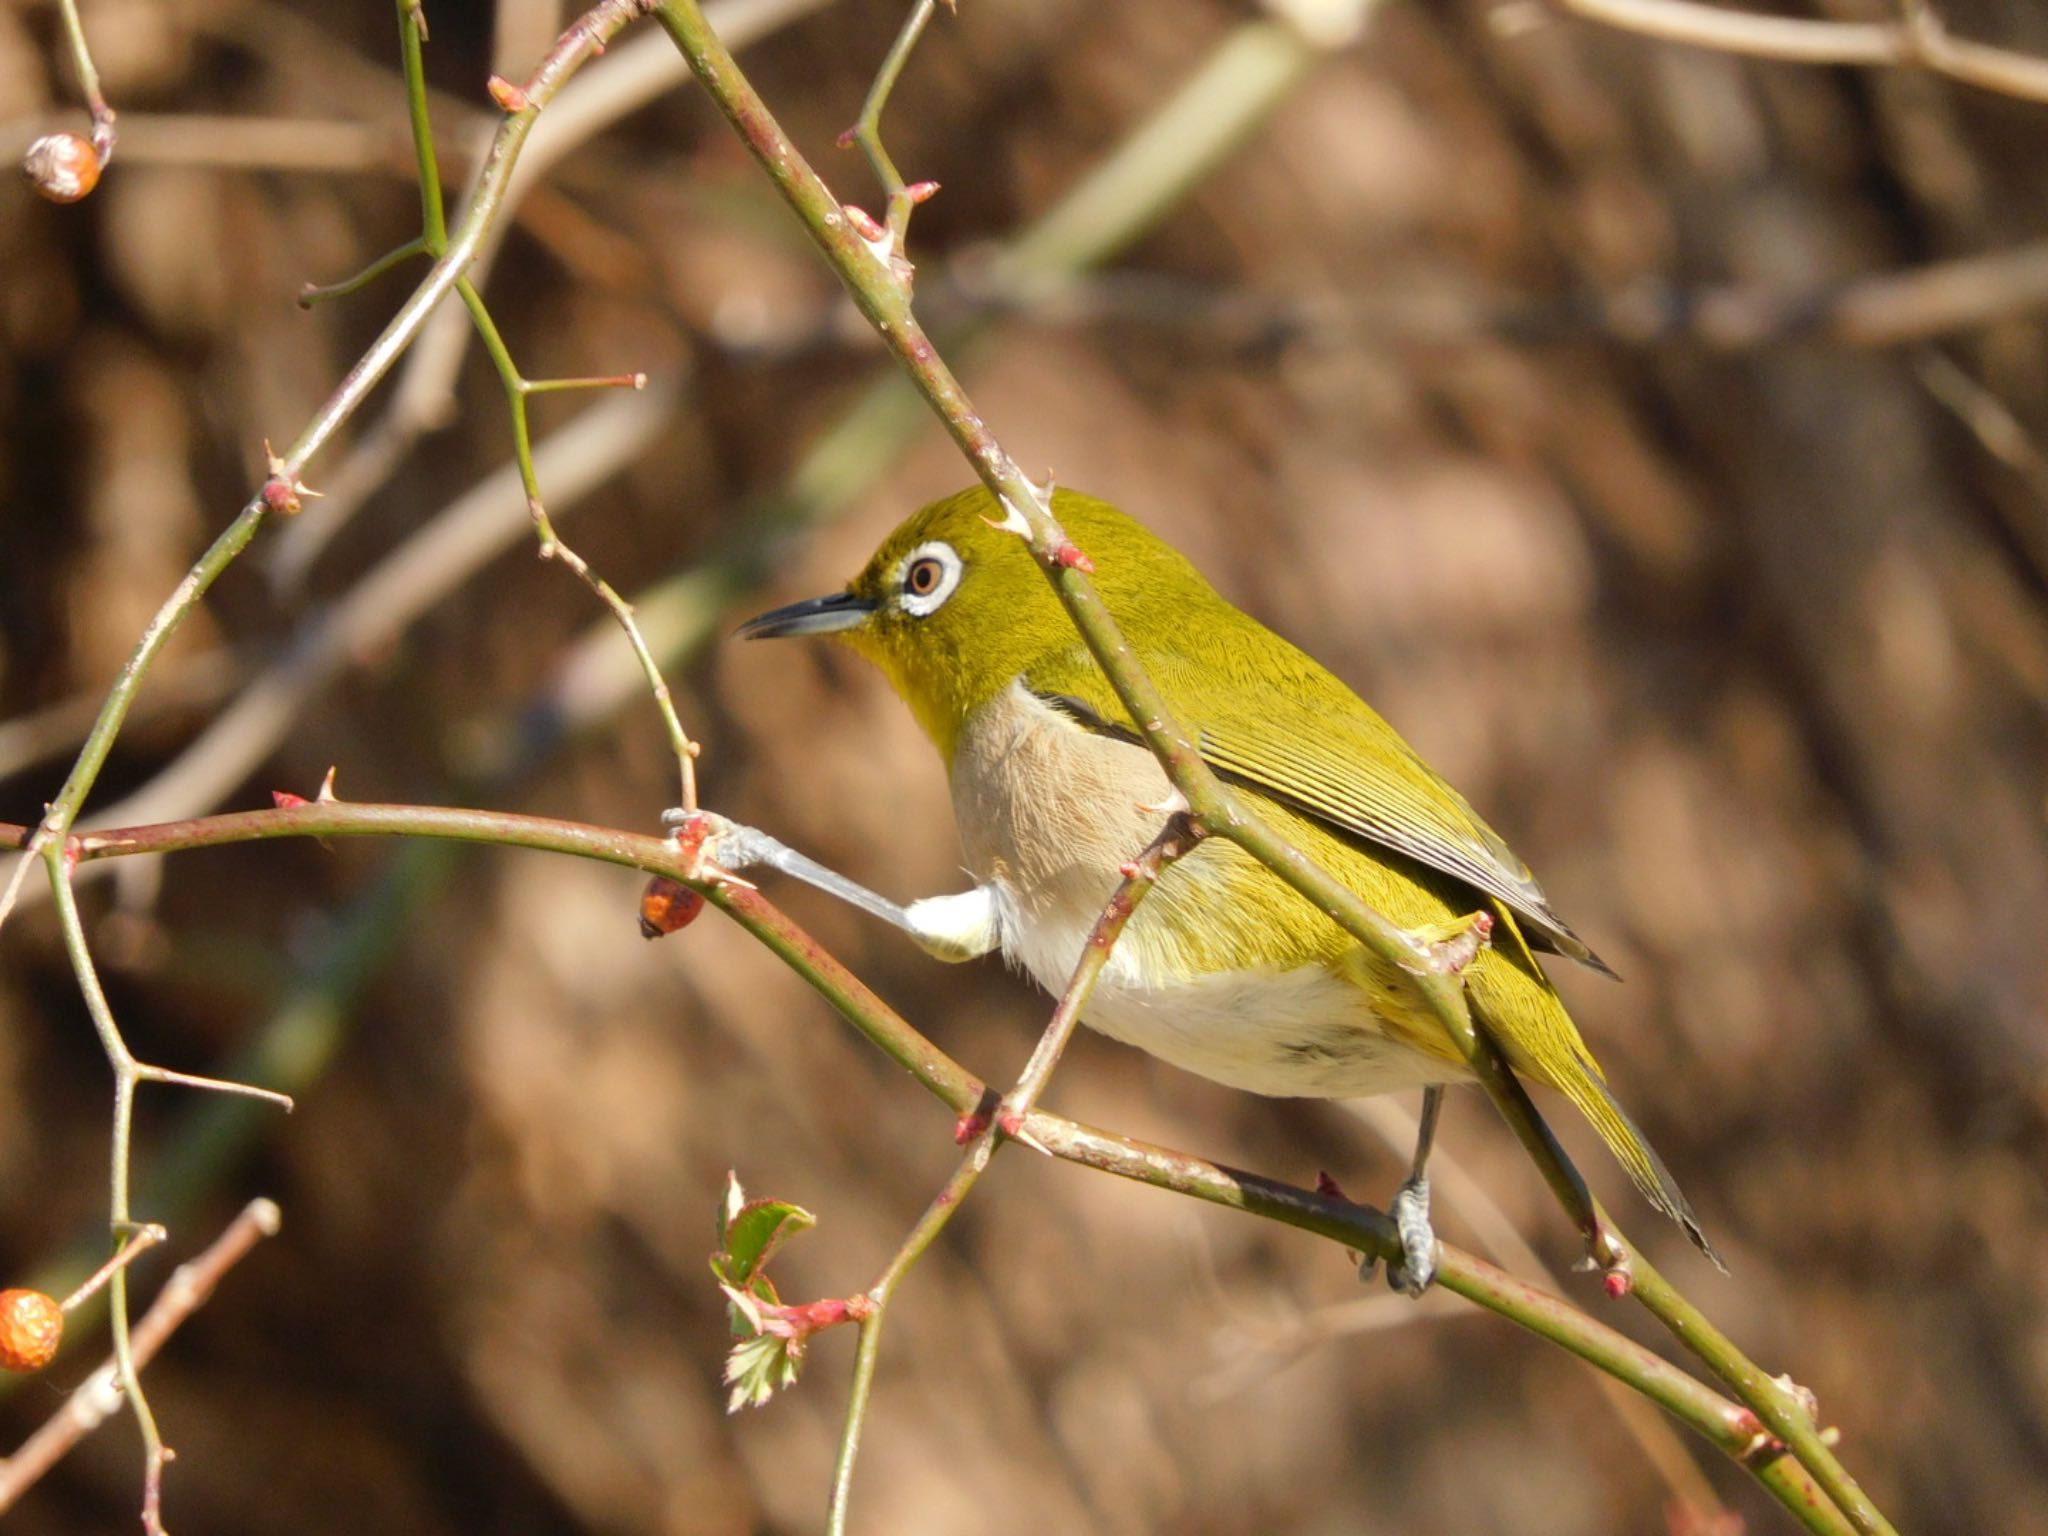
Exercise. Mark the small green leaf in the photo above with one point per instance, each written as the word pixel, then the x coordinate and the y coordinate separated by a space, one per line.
pixel 758 1368
pixel 753 1232
pixel 749 1231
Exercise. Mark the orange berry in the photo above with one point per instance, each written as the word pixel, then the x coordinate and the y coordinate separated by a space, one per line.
pixel 62 167
pixel 31 1328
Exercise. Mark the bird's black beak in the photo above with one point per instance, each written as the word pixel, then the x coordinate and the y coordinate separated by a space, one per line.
pixel 812 616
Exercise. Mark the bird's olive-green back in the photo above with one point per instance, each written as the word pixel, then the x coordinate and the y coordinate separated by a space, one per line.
pixel 1267 715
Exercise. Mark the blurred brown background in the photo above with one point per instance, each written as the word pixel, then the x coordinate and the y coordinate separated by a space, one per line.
pixel 1516 369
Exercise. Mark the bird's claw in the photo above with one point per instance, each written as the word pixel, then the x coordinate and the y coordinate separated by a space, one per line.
pixel 1416 1271
pixel 716 843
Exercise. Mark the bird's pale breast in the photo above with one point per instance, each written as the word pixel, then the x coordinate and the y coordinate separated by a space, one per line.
pixel 1047 812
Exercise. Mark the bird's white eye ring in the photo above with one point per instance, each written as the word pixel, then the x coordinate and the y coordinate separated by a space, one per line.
pixel 927 577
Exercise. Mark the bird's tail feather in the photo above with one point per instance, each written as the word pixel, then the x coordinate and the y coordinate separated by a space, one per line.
pixel 1592 1098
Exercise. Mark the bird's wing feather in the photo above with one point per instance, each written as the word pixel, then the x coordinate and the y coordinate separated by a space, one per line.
pixel 1321 749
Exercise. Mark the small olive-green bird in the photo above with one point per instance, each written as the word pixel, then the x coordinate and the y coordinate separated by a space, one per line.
pixel 1224 970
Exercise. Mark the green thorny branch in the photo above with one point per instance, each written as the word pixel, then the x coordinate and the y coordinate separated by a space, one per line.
pixel 52 842
pixel 867 259
pixel 1732 1428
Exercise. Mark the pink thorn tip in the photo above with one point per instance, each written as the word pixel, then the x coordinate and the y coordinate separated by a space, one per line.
pixel 863 223
pixel 285 800
pixel 1071 558
pixel 969 1126
pixel 847 138
pixel 1329 1187
pixel 921 191
pixel 509 97
pixel 1618 1283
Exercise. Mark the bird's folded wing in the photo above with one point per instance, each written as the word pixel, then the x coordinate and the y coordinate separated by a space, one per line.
pixel 1322 750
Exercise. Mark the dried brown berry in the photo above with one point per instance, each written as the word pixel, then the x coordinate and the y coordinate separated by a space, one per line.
pixel 31 1328
pixel 667 905
pixel 62 167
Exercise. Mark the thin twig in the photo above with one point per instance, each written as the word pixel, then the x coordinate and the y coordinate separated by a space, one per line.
pixel 144 1237
pixel 315 293
pixel 282 490
pixel 448 547
pixel 985 1135
pixel 104 135
pixel 2002 435
pixel 434 239
pixel 1919 39
pixel 128 1074
pixel 1729 1426
pixel 1234 89
pixel 583 39
pixel 99 1397
pixel 626 79
pixel 517 388
pixel 866 131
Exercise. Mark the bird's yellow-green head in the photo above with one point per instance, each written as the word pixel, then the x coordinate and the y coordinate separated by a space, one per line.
pixel 953 606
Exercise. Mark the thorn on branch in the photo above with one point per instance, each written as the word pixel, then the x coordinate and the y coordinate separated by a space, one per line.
pixel 284 491
pixel 148 1074
pixel 1762 1446
pixel 509 97
pixel 881 243
pixel 1012 1124
pixel 281 496
pixel 1619 1278
pixel 1069 557
pixel 865 225
pixel 1809 1404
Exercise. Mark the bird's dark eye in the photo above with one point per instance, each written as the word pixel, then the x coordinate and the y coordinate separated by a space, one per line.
pixel 930 573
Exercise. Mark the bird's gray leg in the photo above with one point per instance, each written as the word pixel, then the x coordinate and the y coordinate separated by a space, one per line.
pixel 956 927
pixel 1417 1269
